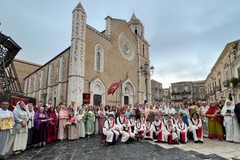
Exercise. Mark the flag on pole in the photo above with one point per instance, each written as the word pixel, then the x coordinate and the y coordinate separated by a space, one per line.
pixel 113 88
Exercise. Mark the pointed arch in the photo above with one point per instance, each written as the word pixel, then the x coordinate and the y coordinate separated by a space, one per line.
pixel 128 92
pixel 97 90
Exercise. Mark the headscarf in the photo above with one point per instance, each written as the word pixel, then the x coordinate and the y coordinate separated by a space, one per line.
pixel 226 107
pixel 237 112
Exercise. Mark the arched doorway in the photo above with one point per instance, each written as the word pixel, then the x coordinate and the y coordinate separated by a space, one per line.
pixel 128 91
pixel 97 90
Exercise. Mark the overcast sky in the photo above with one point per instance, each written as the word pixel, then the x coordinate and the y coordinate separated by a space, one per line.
pixel 186 36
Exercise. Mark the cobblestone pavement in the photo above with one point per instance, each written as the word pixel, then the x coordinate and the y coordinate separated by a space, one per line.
pixel 92 149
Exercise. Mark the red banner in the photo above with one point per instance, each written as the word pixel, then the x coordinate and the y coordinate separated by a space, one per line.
pixel 113 88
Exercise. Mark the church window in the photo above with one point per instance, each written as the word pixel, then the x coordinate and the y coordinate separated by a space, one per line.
pixel 99 57
pixel 136 32
pixel 98 61
pixel 143 51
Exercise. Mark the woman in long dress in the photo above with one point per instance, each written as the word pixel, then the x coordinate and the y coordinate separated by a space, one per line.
pixel 63 117
pixel 228 112
pixel 80 122
pixel 95 109
pixel 89 121
pixel 215 128
pixel 101 119
pixel 41 126
pixel 21 117
pixel 72 124
pixel 52 125
pixel 31 114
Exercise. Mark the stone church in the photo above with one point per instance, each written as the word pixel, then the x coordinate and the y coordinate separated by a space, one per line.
pixel 95 60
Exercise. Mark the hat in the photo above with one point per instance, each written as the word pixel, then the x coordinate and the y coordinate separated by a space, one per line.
pixel 73 100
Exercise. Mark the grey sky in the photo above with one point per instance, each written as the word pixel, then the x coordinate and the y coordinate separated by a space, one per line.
pixel 186 36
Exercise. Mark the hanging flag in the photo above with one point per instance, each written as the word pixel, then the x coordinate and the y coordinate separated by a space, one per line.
pixel 113 88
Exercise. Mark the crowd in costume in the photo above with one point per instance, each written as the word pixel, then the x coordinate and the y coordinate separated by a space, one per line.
pixel 172 123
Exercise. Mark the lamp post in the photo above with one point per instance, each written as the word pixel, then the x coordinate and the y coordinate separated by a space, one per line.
pixel 146 72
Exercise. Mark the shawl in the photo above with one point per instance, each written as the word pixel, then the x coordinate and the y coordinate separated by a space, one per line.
pixel 237 112
pixel 37 120
pixel 211 110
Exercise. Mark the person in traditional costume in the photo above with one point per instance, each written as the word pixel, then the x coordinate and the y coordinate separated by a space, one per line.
pixel 80 122
pixel 195 126
pixel 203 109
pixel 165 119
pixel 228 112
pixel 157 129
pixel 63 117
pixel 21 136
pixel 101 119
pixel 121 119
pixel 184 113
pixel 170 134
pixel 5 133
pixel 215 128
pixel 52 125
pixel 147 128
pixel 132 122
pixel 73 107
pixel 89 121
pixel 31 114
pixel 110 130
pixel 139 129
pixel 126 132
pixel 175 119
pixel 41 128
pixel 236 123
pixel 72 126
pixel 182 131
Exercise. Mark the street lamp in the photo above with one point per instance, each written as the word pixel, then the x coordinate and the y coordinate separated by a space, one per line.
pixel 146 72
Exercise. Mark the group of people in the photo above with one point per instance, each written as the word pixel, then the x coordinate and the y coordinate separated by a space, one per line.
pixel 35 126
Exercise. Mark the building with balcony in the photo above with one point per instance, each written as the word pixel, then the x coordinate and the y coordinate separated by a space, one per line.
pixel 156 90
pixel 218 84
pixel 188 89
pixel 166 95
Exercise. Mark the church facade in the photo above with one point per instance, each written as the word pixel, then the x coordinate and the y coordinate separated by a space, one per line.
pixel 95 60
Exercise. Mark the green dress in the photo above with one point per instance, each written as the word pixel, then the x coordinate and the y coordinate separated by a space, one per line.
pixel 89 122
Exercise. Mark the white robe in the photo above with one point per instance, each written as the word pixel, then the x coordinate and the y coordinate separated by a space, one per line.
pixel 5 134
pixel 126 132
pixel 21 136
pixel 180 129
pixel 168 130
pixel 109 130
pixel 157 128
pixel 80 125
pixel 147 131
pixel 228 121
pixel 193 126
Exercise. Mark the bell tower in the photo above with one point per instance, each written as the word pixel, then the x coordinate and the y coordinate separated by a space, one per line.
pixel 77 56
pixel 136 26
